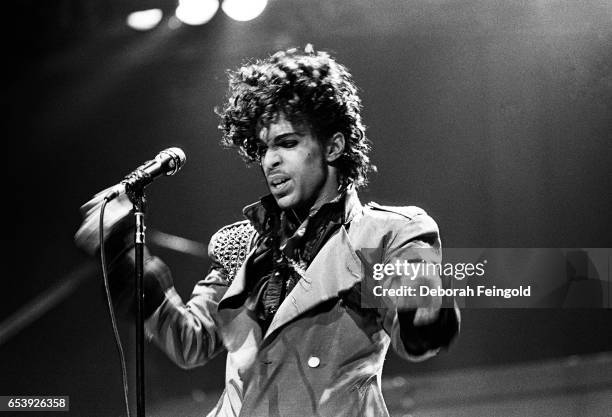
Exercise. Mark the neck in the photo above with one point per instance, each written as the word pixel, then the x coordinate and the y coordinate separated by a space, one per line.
pixel 328 191
pixel 325 196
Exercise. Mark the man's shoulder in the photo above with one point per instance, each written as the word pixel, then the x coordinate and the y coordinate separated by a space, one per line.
pixel 230 244
pixel 239 227
pixel 240 233
pixel 379 220
pixel 405 212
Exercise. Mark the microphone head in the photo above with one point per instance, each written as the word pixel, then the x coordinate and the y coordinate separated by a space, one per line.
pixel 175 159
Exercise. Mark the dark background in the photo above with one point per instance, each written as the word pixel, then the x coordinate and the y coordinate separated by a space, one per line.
pixel 494 116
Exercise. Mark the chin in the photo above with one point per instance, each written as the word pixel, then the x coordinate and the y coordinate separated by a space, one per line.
pixel 286 202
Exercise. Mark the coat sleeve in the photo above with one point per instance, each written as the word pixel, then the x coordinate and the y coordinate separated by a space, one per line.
pixel 415 239
pixel 187 332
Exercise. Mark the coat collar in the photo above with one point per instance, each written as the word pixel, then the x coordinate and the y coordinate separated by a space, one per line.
pixel 336 268
pixel 261 212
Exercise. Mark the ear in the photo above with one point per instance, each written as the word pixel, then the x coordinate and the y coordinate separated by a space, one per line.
pixel 335 147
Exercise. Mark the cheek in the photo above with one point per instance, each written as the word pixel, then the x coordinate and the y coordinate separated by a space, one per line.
pixel 305 164
pixel 314 160
pixel 310 170
pixel 311 165
pixel 315 170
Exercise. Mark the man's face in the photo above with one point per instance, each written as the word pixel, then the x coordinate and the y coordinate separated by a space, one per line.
pixel 293 163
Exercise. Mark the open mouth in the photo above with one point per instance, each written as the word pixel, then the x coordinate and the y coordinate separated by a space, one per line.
pixel 279 183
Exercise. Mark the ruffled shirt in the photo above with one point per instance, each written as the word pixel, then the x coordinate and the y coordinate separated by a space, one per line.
pixel 285 248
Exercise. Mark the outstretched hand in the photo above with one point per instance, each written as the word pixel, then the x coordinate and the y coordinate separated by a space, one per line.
pixel 427 306
pixel 115 214
pixel 410 294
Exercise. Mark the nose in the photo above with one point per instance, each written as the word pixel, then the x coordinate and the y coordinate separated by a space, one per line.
pixel 271 159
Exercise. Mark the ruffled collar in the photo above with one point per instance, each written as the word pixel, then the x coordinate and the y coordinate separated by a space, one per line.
pixel 265 214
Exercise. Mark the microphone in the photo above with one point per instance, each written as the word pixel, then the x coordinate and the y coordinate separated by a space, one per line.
pixel 167 162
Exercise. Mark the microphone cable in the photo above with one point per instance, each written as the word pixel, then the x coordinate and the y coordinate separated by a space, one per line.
pixel 111 310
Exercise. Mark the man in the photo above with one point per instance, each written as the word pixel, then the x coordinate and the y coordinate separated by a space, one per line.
pixel 289 291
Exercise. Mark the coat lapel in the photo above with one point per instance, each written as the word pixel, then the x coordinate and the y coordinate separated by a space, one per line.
pixel 336 268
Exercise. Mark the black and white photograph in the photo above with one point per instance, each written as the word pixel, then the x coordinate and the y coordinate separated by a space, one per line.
pixel 290 208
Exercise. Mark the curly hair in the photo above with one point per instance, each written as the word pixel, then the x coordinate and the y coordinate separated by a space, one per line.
pixel 309 88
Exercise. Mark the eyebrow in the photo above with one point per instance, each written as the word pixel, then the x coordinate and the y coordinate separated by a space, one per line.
pixel 280 137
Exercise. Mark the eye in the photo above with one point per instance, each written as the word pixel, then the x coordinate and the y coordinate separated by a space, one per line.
pixel 289 143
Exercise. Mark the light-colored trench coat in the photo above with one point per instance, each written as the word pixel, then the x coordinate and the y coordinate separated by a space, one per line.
pixel 323 353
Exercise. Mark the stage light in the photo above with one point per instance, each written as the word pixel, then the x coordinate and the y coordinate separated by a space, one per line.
pixel 196 12
pixel 243 10
pixel 144 19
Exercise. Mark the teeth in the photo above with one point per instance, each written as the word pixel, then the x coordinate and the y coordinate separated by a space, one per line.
pixel 276 183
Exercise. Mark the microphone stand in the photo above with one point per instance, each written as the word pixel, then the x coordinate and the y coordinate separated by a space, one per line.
pixel 137 197
pixel 167 162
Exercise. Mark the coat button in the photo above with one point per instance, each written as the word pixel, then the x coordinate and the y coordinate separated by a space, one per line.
pixel 314 362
